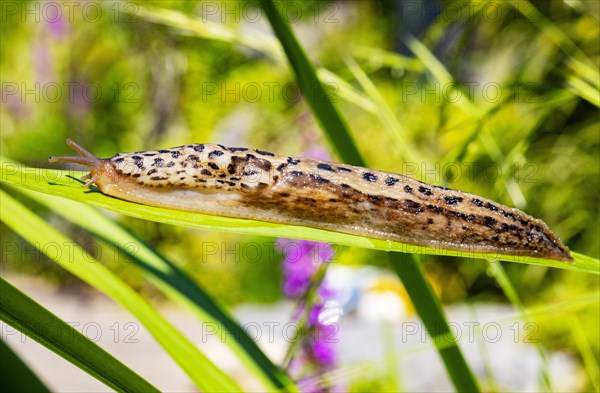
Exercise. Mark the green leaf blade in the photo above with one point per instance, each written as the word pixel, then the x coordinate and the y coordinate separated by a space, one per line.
pixel 65 184
pixel 27 316
pixel 37 232
pixel 171 280
pixel 311 86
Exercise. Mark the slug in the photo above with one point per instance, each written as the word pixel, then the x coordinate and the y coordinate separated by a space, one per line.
pixel 255 184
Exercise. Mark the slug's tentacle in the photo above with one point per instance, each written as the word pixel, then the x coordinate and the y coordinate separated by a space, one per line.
pixel 86 159
pixel 79 149
pixel 255 184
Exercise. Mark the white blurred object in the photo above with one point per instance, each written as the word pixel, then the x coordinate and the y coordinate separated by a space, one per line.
pixel 331 312
pixel 381 306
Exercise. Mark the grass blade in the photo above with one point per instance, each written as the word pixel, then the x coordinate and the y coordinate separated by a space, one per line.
pixel 15 375
pixel 586 351
pixel 314 92
pixel 497 271
pixel 439 72
pixel 27 316
pixel 584 90
pixel 578 61
pixel 74 259
pixel 66 185
pixel 431 313
pixel 174 282
pixel 392 126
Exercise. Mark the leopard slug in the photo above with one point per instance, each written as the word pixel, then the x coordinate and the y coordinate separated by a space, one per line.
pixel 255 184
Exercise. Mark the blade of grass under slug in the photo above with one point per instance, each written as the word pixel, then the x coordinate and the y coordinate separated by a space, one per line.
pixel 26 315
pixel 65 184
pixel 409 271
pixel 174 282
pixel 66 253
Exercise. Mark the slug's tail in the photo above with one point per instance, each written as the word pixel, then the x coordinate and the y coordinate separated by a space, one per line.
pixel 85 158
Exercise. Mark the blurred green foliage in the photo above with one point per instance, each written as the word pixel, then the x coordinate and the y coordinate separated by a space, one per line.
pixel 506 113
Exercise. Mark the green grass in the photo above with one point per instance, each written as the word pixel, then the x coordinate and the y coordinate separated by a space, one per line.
pixel 27 316
pixel 74 259
pixel 170 279
pixel 18 376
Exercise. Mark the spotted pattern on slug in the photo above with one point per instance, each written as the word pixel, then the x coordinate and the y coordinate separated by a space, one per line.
pixel 256 184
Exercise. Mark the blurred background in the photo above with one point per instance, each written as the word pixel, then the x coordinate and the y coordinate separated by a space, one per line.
pixel 495 98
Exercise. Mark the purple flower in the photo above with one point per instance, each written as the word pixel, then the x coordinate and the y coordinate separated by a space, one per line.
pixel 301 260
pixel 295 287
pixel 313 316
pixel 322 348
pixel 325 292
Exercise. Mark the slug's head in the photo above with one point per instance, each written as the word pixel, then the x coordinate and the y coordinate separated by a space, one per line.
pixel 99 168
